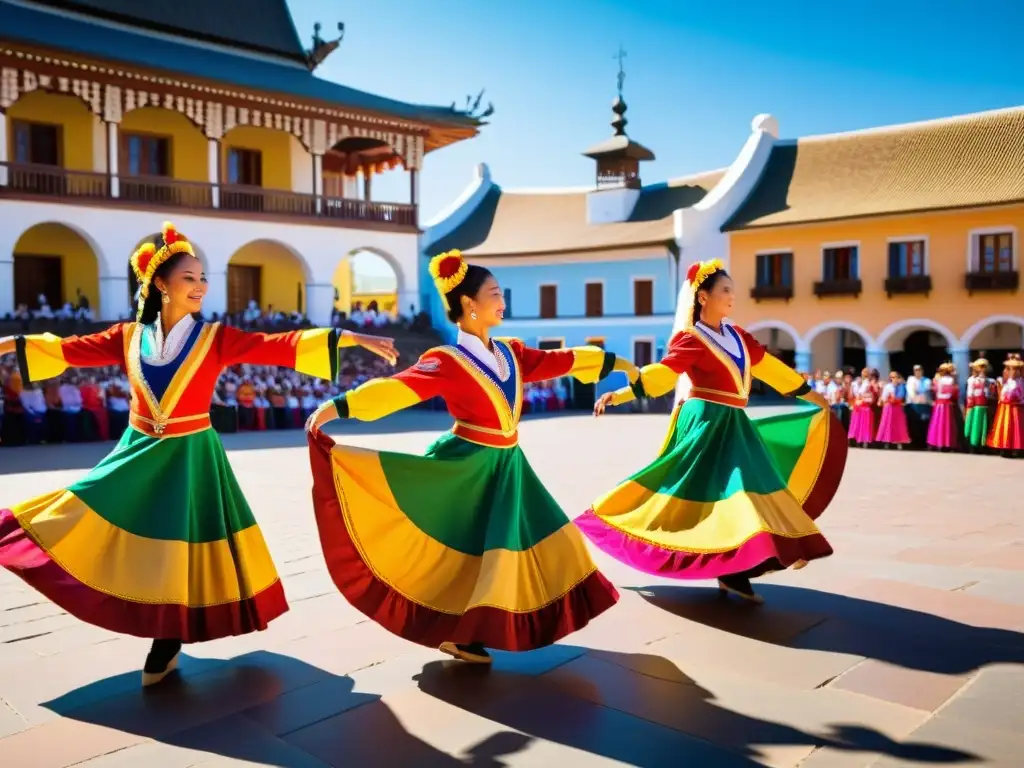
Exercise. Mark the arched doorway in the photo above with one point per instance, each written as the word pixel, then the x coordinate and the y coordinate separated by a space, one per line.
pixel 917 342
pixel 368 279
pixel 995 338
pixel 838 345
pixel 55 261
pixel 270 274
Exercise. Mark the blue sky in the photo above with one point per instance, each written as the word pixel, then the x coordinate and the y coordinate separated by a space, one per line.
pixel 696 73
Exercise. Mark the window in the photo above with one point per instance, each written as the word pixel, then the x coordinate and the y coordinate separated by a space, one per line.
pixel 906 259
pixel 840 263
pixel 36 143
pixel 595 300
pixel 643 353
pixel 995 253
pixel 550 344
pixel 144 155
pixel 775 270
pixel 244 286
pixel 245 166
pixel 643 297
pixel 507 293
pixel 549 301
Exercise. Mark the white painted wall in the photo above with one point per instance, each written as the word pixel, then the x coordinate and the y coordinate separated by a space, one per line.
pixel 608 206
pixel 114 233
pixel 99 145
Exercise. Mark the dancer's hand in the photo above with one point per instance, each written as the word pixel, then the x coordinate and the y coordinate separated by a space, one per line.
pixel 603 402
pixel 7 346
pixel 817 399
pixel 325 413
pixel 379 345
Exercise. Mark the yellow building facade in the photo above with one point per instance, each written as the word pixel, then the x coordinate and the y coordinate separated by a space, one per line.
pixel 227 123
pixel 887 248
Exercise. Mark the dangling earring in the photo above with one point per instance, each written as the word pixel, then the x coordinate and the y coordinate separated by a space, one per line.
pixel 472 315
pixel 166 299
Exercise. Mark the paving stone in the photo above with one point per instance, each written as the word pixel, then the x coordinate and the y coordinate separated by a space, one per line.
pixel 977 745
pixel 993 700
pixel 915 688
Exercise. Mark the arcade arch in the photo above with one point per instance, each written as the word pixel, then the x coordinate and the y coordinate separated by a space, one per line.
pixel 59 262
pixel 838 344
pixel 269 273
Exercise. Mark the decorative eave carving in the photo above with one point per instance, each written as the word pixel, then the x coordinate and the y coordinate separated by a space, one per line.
pixel 322 48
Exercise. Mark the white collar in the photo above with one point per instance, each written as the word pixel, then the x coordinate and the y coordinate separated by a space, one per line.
pixel 167 349
pixel 725 339
pixel 479 351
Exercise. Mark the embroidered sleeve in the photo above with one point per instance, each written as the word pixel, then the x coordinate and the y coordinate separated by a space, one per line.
pixel 660 378
pixel 45 356
pixel 313 352
pixel 772 371
pixel 586 364
pixel 378 398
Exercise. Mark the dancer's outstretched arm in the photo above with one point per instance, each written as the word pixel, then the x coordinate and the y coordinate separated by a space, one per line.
pixel 765 367
pixel 585 364
pixel 378 398
pixel 313 352
pixel 659 378
pixel 45 356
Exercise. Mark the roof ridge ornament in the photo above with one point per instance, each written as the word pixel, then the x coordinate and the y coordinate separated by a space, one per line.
pixel 472 107
pixel 323 48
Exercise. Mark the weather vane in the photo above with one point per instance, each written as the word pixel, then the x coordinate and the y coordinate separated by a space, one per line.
pixel 622 72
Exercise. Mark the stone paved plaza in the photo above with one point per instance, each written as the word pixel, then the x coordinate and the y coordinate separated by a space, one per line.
pixel 904 648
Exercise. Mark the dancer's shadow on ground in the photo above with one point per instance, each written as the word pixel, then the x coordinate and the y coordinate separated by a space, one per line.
pixel 824 621
pixel 596 703
pixel 266 709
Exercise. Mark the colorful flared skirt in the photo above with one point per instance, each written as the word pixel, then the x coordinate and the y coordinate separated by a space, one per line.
pixel 947 425
pixel 157 541
pixel 892 427
pixel 976 426
pixel 727 495
pixel 1008 428
pixel 862 424
pixel 463 544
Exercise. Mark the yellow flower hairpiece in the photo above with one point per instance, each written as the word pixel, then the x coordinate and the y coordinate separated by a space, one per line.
pixel 701 271
pixel 448 270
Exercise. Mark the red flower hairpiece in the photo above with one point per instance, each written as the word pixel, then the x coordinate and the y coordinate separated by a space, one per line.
pixel 691 273
pixel 169 233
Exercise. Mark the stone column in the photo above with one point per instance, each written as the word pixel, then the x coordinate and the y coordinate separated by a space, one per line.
pixel 115 300
pixel 878 359
pixel 113 158
pixel 3 159
pixel 216 301
pixel 319 303
pixel 802 360
pixel 962 360
pixel 213 170
pixel 6 284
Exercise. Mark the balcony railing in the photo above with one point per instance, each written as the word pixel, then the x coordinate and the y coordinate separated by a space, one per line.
pixel 838 288
pixel 44 181
pixel 908 285
pixel 992 281
pixel 764 292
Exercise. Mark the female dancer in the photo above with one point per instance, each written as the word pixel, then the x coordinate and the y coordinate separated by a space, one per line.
pixel 461 549
pixel 1007 434
pixel 946 426
pixel 157 541
pixel 977 419
pixel 862 421
pixel 892 427
pixel 838 395
pixel 729 497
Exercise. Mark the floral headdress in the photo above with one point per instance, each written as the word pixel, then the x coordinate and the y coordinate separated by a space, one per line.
pixel 148 258
pixel 1013 361
pixel 696 275
pixel 981 362
pixel 448 270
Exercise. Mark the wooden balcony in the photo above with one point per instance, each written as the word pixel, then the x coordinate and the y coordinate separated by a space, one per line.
pixel 908 285
pixel 991 281
pixel 769 292
pixel 838 288
pixel 86 187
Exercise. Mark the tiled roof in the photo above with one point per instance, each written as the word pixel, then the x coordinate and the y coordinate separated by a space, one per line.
pixel 958 162
pixel 105 43
pixel 521 223
pixel 260 25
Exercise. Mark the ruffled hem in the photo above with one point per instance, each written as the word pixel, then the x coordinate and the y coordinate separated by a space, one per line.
pixel 757 551
pixel 23 557
pixel 493 627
